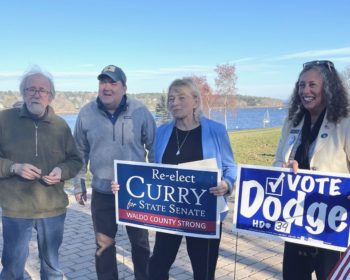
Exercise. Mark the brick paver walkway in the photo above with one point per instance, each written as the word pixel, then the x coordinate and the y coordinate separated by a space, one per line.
pixel 256 258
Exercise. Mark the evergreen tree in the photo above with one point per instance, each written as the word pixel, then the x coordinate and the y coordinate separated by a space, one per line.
pixel 162 113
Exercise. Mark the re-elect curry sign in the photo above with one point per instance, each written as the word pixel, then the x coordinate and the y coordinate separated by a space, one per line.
pixel 167 198
pixel 308 208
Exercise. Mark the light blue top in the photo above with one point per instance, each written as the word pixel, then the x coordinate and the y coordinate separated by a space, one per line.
pixel 215 143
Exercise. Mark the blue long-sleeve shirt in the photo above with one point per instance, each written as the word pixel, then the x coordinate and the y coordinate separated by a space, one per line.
pixel 215 143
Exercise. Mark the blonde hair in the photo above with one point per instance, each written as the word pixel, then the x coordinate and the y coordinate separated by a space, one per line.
pixel 191 85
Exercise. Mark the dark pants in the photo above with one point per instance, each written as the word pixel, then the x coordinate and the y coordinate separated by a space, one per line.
pixel 104 221
pixel 299 261
pixel 203 254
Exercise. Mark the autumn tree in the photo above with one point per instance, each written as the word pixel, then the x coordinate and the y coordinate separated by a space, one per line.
pixel 226 86
pixel 162 113
pixel 207 94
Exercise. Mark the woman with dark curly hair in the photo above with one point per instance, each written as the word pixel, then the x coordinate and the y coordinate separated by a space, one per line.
pixel 315 136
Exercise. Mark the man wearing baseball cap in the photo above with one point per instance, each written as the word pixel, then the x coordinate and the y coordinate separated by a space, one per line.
pixel 114 126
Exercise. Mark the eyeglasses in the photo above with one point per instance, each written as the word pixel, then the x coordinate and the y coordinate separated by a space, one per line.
pixel 32 91
pixel 326 63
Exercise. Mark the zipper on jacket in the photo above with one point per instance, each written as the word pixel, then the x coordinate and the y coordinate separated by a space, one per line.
pixel 113 132
pixel 123 134
pixel 36 139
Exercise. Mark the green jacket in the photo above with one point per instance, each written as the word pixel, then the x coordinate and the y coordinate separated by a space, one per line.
pixel 45 144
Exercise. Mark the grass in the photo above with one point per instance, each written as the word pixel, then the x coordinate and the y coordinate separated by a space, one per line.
pixel 256 146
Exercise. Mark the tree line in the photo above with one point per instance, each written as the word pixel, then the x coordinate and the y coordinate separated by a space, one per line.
pixel 223 97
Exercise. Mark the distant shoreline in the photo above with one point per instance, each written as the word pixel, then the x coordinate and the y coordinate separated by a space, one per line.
pixel 235 108
pixel 71 102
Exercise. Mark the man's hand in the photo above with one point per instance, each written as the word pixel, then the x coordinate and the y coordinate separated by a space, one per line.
pixel 81 198
pixel 54 177
pixel 27 171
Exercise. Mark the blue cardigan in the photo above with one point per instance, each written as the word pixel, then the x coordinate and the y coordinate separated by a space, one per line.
pixel 215 143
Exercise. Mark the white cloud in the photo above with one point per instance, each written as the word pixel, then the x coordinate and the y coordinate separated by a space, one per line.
pixel 74 75
pixel 244 59
pixel 7 75
pixel 316 53
pixel 341 59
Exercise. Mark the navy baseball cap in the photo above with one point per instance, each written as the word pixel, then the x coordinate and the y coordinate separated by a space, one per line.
pixel 113 72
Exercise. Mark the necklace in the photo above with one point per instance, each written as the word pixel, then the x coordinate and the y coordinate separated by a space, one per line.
pixel 179 146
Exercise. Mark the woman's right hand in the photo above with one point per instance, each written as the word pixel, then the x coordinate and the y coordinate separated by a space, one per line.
pixel 292 164
pixel 114 187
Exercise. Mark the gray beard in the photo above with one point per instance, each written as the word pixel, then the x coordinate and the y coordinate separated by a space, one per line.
pixel 36 109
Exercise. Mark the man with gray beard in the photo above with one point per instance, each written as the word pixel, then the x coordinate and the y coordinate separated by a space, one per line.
pixel 37 154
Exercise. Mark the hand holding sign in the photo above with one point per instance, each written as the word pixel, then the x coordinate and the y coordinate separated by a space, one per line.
pixel 306 208
pixel 115 187
pixel 292 164
pixel 167 198
pixel 219 190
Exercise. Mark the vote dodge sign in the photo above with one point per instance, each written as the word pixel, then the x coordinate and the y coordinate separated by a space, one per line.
pixel 307 208
pixel 167 198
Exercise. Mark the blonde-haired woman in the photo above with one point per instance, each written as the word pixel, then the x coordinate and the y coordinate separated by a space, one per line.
pixel 190 137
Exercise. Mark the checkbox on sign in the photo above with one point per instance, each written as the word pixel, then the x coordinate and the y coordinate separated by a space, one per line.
pixel 274 186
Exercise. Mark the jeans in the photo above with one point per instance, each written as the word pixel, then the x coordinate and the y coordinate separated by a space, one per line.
pixel 17 234
pixel 104 221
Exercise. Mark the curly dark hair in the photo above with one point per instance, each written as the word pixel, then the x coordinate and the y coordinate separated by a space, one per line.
pixel 337 101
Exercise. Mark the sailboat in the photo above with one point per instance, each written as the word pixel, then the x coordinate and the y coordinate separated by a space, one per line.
pixel 266 119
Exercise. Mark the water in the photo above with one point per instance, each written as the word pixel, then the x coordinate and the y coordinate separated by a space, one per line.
pixel 70 119
pixel 239 119
pixel 251 118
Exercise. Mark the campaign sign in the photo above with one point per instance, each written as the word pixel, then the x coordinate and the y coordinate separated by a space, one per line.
pixel 167 198
pixel 308 208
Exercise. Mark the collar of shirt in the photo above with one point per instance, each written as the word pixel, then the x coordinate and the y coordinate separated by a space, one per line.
pixel 113 117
